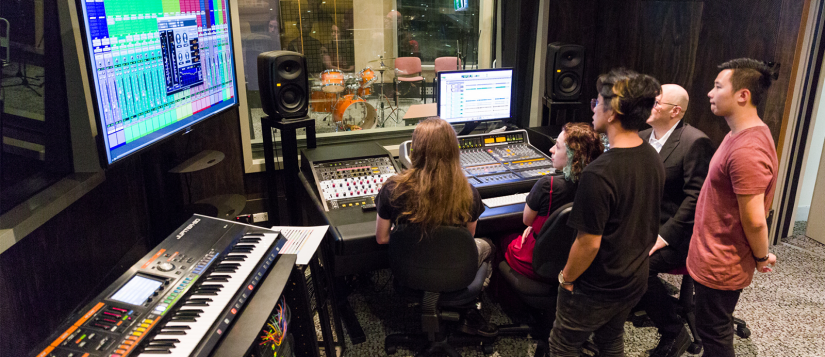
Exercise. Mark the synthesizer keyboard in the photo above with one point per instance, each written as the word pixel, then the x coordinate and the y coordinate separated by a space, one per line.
pixel 178 300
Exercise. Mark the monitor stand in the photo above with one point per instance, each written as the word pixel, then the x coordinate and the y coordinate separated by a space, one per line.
pixel 468 128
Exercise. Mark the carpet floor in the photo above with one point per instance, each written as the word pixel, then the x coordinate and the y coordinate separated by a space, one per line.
pixel 784 309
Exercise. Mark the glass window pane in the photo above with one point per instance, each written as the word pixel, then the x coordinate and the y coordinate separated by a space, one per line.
pixel 358 85
pixel 35 150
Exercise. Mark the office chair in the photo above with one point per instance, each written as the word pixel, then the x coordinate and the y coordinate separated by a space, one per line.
pixel 441 271
pixel 549 257
pixel 444 64
pixel 411 68
pixel 686 310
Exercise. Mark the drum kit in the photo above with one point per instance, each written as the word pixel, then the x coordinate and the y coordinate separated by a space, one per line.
pixel 342 95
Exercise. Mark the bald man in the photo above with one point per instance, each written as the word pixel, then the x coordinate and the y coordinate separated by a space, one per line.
pixel 685 152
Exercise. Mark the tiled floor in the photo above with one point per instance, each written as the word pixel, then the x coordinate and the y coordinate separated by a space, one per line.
pixel 785 310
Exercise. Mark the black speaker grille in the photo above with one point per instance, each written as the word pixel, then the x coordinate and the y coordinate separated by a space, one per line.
pixel 289 69
pixel 570 58
pixel 292 98
pixel 568 83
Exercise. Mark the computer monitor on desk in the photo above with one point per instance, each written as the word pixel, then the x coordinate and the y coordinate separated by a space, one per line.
pixel 474 96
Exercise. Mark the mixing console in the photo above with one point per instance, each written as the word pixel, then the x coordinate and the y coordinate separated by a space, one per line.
pixel 493 159
pixel 351 183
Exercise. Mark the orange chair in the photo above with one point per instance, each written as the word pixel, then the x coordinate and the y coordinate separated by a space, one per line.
pixel 444 64
pixel 410 68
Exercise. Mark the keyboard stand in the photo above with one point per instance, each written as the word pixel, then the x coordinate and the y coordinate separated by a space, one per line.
pixel 247 328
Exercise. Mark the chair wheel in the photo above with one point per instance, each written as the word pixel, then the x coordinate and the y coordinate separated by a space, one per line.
pixel 743 332
pixel 390 350
pixel 694 348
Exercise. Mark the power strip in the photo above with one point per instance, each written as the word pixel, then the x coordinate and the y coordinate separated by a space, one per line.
pixel 253 218
pixel 260 217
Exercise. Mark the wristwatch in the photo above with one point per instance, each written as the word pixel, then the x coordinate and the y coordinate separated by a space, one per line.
pixel 561 279
pixel 763 259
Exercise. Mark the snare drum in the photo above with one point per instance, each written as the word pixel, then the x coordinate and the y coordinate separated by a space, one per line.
pixel 353 111
pixel 367 77
pixel 332 81
pixel 364 91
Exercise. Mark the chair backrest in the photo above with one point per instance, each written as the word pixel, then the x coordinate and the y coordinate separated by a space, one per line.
pixel 553 244
pixel 447 64
pixel 408 65
pixel 446 260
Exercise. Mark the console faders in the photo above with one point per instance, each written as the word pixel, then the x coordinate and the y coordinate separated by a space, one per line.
pixel 352 183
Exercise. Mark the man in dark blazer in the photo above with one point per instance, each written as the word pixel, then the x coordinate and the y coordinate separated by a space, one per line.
pixel 685 152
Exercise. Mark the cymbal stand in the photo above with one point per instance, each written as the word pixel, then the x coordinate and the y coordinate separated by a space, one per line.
pixel 381 69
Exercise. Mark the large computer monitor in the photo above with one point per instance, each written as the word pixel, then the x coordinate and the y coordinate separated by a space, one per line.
pixel 156 67
pixel 476 95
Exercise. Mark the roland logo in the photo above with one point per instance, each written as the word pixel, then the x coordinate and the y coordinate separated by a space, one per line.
pixel 188 228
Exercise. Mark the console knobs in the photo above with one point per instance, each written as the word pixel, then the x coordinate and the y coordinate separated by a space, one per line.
pixel 166 266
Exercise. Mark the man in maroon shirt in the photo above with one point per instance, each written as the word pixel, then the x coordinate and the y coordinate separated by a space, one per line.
pixel 730 235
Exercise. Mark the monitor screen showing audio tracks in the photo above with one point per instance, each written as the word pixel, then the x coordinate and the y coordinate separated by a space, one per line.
pixel 466 96
pixel 157 67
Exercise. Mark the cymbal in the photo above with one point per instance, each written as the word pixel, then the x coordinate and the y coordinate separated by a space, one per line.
pixel 381 59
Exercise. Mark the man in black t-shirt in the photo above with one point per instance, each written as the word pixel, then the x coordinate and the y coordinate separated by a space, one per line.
pixel 616 214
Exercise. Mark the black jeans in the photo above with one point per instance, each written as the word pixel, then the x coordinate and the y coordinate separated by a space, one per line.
pixel 578 315
pixel 714 319
pixel 658 304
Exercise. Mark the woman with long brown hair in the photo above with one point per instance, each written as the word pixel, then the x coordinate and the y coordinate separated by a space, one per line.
pixel 434 192
pixel 576 146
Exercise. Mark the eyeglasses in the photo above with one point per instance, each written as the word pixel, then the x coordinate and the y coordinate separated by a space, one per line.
pixel 593 103
pixel 658 103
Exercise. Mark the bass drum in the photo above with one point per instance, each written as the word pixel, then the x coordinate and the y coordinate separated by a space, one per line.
pixel 353 113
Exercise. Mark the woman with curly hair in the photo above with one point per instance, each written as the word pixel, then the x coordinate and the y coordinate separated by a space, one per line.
pixel 577 145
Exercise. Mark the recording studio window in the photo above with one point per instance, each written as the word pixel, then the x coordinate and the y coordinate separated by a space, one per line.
pixel 351 48
pixel 33 104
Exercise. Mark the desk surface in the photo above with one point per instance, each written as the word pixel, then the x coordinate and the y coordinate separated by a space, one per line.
pixel 421 111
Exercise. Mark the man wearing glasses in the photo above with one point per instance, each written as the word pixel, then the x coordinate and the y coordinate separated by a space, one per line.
pixel 685 152
pixel 616 214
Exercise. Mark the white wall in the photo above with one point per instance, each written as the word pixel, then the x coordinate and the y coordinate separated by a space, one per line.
pixel 812 164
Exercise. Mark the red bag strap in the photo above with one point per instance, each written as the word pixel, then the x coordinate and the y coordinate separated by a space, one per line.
pixel 551 197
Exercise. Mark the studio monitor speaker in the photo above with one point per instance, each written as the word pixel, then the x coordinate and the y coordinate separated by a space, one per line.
pixel 564 71
pixel 284 85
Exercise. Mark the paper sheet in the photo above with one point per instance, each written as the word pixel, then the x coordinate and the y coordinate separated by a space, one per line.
pixel 303 241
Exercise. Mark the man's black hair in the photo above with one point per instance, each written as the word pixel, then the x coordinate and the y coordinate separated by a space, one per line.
pixel 754 75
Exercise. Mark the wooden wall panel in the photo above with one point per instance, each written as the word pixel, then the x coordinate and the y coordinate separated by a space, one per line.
pixel 617 35
pixel 682 42
pixel 730 29
pixel 786 36
pixel 669 39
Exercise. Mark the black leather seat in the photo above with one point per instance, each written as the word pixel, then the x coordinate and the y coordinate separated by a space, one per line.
pixel 441 271
pixel 549 258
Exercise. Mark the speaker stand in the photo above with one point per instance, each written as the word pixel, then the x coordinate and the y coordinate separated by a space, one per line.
pixel 561 112
pixel 289 148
